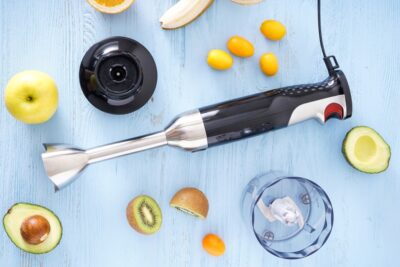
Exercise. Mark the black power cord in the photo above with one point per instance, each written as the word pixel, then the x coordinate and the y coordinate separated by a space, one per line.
pixel 327 59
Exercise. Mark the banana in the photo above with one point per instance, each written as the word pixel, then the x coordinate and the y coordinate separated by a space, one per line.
pixel 183 12
pixel 247 2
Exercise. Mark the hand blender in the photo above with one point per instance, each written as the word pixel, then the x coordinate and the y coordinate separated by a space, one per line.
pixel 219 123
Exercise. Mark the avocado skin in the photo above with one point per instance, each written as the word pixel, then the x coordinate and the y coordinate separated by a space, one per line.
pixel 30 204
pixel 348 160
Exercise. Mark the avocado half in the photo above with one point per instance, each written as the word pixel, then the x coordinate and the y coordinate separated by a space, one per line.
pixel 366 150
pixel 18 213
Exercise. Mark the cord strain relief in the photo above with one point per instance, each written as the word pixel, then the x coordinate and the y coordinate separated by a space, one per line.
pixel 331 64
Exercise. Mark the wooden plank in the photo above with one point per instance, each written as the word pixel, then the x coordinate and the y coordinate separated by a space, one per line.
pixel 52 36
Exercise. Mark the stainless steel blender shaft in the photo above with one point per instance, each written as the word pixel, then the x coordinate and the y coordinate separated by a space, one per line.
pixel 126 147
pixel 63 163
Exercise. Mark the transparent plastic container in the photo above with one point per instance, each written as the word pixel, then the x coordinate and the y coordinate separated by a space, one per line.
pixel 288 241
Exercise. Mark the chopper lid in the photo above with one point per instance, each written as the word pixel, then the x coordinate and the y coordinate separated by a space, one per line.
pixel 118 75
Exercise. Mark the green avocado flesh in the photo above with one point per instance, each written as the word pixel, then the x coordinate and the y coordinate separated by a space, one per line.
pixel 366 150
pixel 17 214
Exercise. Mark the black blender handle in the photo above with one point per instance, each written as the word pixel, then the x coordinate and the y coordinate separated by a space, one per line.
pixel 274 109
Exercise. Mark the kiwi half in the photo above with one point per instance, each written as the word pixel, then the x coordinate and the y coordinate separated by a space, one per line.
pixel 192 201
pixel 144 215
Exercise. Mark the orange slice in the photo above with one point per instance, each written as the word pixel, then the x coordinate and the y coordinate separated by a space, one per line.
pixel 111 6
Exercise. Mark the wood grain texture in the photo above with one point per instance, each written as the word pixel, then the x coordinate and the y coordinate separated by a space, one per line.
pixel 53 35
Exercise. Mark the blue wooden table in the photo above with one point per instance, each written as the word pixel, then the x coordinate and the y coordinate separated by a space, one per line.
pixel 53 35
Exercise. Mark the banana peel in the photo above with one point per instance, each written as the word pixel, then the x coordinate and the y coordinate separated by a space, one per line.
pixel 247 2
pixel 183 13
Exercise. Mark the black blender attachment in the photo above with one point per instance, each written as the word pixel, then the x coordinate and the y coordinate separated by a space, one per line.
pixel 118 75
pixel 217 124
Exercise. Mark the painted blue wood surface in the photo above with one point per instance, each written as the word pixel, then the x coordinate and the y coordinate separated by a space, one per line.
pixel 52 36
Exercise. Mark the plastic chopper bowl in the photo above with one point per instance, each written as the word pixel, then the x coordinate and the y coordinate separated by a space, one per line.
pixel 289 242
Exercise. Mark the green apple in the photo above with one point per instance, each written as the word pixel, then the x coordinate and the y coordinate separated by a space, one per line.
pixel 31 97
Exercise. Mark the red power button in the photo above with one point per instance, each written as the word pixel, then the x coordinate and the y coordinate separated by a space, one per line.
pixel 333 110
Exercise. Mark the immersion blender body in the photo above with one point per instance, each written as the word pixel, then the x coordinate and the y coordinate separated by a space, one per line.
pixel 216 124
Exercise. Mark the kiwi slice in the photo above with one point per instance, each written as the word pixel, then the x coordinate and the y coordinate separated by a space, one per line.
pixel 144 215
pixel 192 201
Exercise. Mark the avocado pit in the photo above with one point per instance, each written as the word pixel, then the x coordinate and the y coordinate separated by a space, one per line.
pixel 35 229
